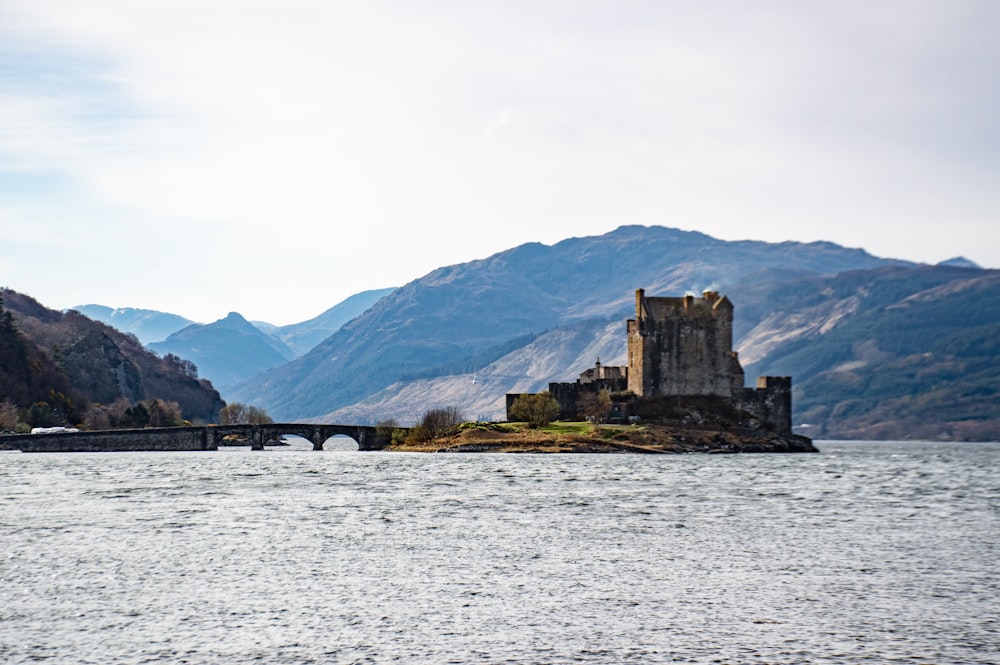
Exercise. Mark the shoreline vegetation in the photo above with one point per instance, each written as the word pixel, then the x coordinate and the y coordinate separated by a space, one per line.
pixel 585 437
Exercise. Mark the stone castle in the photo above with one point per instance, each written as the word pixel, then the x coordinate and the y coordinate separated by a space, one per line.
pixel 682 347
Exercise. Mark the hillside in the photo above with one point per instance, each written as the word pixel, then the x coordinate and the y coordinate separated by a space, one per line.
pixel 302 337
pixel 558 355
pixel 889 354
pixel 483 307
pixel 70 362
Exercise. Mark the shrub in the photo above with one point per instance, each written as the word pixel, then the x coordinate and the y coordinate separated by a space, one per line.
pixel 538 410
pixel 242 414
pixel 487 427
pixel 436 423
pixel 386 427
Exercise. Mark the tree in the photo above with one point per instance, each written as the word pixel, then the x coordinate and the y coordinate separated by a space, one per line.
pixel 41 414
pixel 185 367
pixel 8 416
pixel 243 414
pixel 136 416
pixel 163 413
pixel 386 427
pixel 95 418
pixel 594 405
pixel 538 410
pixel 117 411
pixel 436 423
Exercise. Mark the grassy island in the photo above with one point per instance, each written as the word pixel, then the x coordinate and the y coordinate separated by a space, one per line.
pixel 585 437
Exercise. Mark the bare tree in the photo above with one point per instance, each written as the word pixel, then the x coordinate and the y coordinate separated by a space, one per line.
pixel 95 418
pixel 595 405
pixel 117 410
pixel 8 416
pixel 436 423
pixel 242 414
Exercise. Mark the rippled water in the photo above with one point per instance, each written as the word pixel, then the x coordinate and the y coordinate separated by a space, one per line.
pixel 867 552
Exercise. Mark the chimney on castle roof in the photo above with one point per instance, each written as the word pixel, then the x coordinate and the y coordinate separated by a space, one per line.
pixel 710 296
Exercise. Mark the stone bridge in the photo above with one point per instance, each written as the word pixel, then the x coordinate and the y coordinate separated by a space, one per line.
pixel 368 438
pixel 191 438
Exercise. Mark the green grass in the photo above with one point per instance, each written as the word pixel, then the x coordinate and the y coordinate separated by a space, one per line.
pixel 579 428
pixel 560 427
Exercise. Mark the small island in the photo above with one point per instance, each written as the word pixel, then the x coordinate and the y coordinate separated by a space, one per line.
pixel 681 392
pixel 582 437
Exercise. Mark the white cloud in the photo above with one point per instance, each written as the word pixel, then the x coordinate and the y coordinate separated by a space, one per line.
pixel 432 134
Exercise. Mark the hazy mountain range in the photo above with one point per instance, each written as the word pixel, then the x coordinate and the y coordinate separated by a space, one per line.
pixel 146 324
pixel 877 347
pixel 231 349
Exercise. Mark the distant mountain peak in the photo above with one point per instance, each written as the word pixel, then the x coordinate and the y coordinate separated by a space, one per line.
pixel 960 262
pixel 236 321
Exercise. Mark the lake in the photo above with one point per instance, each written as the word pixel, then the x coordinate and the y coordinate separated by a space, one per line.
pixel 867 552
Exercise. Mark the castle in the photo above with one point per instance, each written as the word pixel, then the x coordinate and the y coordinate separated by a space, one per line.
pixel 682 347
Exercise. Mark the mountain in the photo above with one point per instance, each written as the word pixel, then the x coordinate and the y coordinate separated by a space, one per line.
pixel 146 324
pixel 959 262
pixel 887 354
pixel 302 337
pixel 68 362
pixel 890 353
pixel 227 351
pixel 476 309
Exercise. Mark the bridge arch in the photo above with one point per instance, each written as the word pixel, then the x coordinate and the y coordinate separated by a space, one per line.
pixel 367 438
pixel 342 442
pixel 290 441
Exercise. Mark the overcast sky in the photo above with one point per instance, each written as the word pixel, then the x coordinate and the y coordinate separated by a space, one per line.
pixel 275 157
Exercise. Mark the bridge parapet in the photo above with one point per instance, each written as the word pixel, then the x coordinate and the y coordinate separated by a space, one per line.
pixel 191 438
pixel 120 440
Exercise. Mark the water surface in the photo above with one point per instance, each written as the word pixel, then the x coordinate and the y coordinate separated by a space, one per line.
pixel 864 553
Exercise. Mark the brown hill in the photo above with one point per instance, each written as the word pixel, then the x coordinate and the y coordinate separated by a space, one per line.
pixel 56 366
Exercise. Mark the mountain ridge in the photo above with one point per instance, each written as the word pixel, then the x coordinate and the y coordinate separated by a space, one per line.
pixel 146 324
pixel 456 311
pixel 879 348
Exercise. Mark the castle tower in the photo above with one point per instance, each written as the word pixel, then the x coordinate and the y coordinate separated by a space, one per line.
pixel 682 346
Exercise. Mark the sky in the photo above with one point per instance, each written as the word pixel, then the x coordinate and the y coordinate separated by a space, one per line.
pixel 273 158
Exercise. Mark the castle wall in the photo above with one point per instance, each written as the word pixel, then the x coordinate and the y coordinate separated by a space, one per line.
pixel 568 394
pixel 770 402
pixel 681 346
